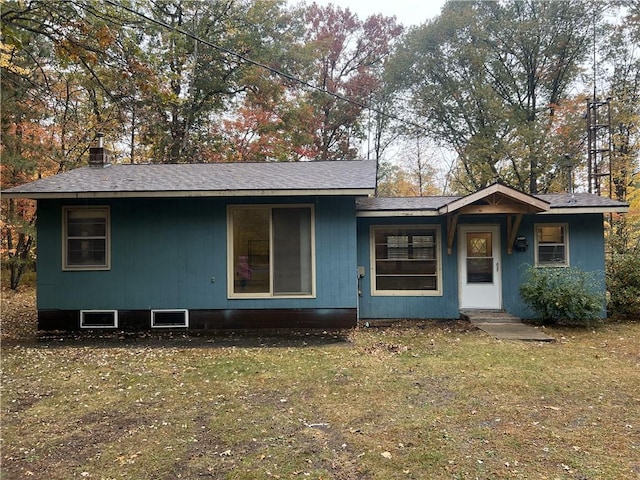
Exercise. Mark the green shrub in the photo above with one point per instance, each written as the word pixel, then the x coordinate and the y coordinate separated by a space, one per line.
pixel 623 285
pixel 563 295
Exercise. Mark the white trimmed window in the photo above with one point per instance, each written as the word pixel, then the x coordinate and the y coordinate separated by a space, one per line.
pixel 552 245
pixel 406 260
pixel 271 251
pixel 85 243
pixel 98 319
pixel 169 318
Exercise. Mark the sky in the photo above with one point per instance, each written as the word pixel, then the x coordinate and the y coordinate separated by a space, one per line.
pixel 408 12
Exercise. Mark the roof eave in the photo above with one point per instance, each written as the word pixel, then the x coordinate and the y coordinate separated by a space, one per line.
pixel 574 210
pixel 397 213
pixel 436 212
pixel 360 192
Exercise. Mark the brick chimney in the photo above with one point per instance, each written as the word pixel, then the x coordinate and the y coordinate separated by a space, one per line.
pixel 99 156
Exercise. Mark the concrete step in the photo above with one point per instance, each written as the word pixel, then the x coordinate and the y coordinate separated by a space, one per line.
pixel 503 326
pixel 488 316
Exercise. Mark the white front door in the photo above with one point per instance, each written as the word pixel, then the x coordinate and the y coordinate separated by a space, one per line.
pixel 479 273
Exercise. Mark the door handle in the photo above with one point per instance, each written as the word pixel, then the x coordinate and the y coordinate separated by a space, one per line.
pixel 497 266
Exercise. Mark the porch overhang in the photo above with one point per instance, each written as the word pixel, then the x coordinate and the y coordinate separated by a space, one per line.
pixel 495 199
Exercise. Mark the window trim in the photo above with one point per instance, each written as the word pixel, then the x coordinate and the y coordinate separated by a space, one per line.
pixel 115 319
pixel 170 310
pixel 438 292
pixel 230 266
pixel 65 238
pixel 567 257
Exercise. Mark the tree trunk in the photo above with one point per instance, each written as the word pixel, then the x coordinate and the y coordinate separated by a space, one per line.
pixel 18 258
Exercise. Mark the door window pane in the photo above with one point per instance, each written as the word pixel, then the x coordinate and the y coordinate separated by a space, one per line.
pixel 479 257
pixel 479 244
pixel 479 270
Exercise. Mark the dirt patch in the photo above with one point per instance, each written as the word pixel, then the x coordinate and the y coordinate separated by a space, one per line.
pixel 450 325
pixel 81 442
pixel 31 395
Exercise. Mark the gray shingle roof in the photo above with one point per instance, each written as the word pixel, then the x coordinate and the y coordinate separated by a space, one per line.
pixel 215 179
pixel 403 203
pixel 579 200
pixel 557 201
pixel 356 177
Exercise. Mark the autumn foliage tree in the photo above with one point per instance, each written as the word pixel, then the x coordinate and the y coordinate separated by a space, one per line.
pixel 23 144
pixel 347 59
pixel 486 78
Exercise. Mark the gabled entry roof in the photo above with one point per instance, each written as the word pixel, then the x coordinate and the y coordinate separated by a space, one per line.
pixel 496 198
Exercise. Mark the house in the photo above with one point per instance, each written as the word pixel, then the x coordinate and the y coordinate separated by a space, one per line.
pixel 300 244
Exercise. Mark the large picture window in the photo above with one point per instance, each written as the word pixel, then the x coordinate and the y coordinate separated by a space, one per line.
pixel 85 238
pixel 271 251
pixel 552 245
pixel 405 260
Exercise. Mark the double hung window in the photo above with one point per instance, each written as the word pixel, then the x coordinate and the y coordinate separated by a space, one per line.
pixel 552 245
pixel 85 238
pixel 271 251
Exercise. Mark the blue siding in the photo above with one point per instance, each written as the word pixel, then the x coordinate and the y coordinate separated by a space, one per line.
pixel 586 251
pixel 165 253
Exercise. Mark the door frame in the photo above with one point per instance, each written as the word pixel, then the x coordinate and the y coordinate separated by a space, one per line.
pixel 496 232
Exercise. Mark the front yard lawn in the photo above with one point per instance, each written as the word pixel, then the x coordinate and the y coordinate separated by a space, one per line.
pixel 410 401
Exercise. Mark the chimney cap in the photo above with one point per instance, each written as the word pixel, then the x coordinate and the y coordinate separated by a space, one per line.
pixel 99 156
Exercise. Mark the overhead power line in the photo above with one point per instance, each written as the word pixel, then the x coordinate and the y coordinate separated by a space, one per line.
pixel 273 70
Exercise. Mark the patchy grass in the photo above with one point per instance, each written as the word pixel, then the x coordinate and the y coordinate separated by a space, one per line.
pixel 434 400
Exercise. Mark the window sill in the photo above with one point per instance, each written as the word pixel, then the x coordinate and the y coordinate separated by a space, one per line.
pixel 267 297
pixel 406 293
pixel 86 269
